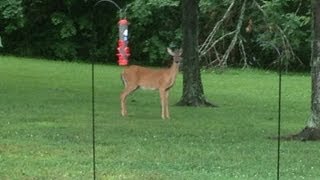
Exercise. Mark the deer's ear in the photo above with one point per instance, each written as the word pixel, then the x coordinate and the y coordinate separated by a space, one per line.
pixel 180 52
pixel 170 52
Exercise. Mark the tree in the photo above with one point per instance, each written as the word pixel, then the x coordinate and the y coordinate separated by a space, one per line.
pixel 192 94
pixel 314 121
pixel 312 129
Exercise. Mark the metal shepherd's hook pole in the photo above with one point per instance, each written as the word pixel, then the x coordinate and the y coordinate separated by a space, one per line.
pixel 116 5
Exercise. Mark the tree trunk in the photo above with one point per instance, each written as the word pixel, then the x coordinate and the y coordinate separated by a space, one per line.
pixel 312 130
pixel 192 94
pixel 314 121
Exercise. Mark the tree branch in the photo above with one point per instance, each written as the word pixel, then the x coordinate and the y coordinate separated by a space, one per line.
pixel 235 37
pixel 204 52
pixel 203 48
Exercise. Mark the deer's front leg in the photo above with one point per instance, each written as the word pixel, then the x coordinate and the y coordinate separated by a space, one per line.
pixel 162 99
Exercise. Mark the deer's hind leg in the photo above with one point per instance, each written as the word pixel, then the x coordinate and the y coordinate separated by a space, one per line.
pixel 167 114
pixel 129 88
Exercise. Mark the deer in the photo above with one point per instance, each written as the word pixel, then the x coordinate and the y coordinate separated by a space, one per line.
pixel 137 77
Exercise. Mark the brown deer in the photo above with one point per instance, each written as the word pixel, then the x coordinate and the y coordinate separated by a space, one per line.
pixel 135 77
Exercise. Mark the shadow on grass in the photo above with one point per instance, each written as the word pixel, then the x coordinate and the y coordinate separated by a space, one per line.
pixel 307 134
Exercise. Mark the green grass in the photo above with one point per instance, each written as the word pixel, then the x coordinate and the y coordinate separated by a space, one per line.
pixel 46 128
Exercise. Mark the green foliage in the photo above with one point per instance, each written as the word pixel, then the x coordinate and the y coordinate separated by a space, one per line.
pixel 46 126
pixel 293 18
pixel 11 16
pixel 67 27
pixel 155 25
pixel 64 50
pixel 281 23
pixel 73 29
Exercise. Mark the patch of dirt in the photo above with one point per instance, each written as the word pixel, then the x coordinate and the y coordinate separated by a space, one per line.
pixel 307 134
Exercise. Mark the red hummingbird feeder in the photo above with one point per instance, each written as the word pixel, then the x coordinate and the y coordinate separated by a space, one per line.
pixel 123 49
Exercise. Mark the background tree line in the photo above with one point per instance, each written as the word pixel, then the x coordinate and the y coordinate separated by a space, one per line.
pixel 232 33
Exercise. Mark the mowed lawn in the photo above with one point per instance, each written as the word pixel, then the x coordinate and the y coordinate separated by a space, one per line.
pixel 46 130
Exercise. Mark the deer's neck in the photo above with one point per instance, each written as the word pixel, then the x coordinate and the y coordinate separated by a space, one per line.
pixel 174 69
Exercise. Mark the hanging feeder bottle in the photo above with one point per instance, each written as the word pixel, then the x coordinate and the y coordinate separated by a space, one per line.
pixel 123 49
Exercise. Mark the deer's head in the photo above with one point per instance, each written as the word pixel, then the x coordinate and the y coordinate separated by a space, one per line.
pixel 176 55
